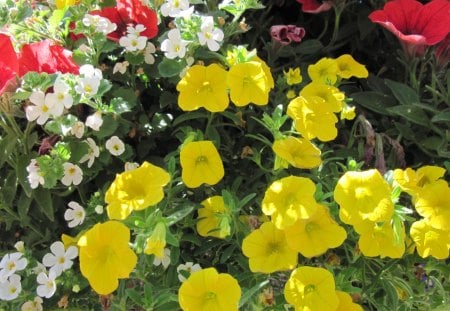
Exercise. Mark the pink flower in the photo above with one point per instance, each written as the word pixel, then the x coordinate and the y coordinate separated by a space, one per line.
pixel 285 34
pixel 314 6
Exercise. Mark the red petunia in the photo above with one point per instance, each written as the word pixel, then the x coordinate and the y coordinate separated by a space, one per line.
pixel 415 24
pixel 314 6
pixel 8 63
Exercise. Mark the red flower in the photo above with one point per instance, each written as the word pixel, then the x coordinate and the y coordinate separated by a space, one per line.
pixel 8 63
pixel 314 6
pixel 285 34
pixel 130 13
pixel 415 24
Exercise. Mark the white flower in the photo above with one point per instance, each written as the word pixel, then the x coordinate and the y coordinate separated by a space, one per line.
pixel 77 129
pixel 72 174
pixel 94 121
pixel 174 8
pixel 59 259
pixel 90 71
pixel 93 152
pixel 98 209
pixel 129 166
pixel 39 268
pixel 20 246
pixel 10 264
pixel 174 46
pixel 210 35
pixel 75 214
pixel 115 146
pixel 47 284
pixel 135 30
pixel 165 261
pixel 121 67
pixel 35 305
pixel 35 176
pixel 148 53
pixel 60 95
pixel 87 86
pixel 42 108
pixel 11 288
pixel 188 267
pixel 101 24
pixel 133 42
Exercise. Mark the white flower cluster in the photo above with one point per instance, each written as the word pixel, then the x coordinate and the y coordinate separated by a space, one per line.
pixel 10 282
pixel 99 24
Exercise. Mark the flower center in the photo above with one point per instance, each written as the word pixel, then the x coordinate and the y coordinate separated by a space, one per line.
pixel 210 296
pixel 310 227
pixel 201 160
pixel 273 248
pixel 11 266
pixel 206 87
pixel 310 288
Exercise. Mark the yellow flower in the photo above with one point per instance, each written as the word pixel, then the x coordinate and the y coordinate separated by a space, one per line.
pixel 298 152
pixel 288 199
pixel 315 235
pixel 346 302
pixel 433 203
pixel 213 218
pixel 293 76
pixel 207 290
pixel 266 69
pixel 330 95
pixel 135 190
pixel 348 67
pixel 291 94
pixel 156 243
pixel 379 240
pixel 324 71
pixel 248 83
pixel 268 250
pixel 412 181
pixel 363 196
pixel 71 241
pixel 348 112
pixel 201 163
pixel 61 4
pixel 430 241
pixel 105 256
pixel 312 119
pixel 204 87
pixel 311 289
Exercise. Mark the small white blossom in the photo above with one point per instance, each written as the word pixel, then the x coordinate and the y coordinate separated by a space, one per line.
pixel 148 53
pixel 42 109
pixel 20 246
pixel 98 209
pixel 72 174
pixel 77 129
pixel 10 264
pixel 87 86
pixel 133 42
pixel 93 152
pixel 95 121
pixel 115 146
pixel 90 71
pixel 59 259
pixel 60 95
pixel 189 267
pixel 101 24
pixel 11 288
pixel 121 67
pixel 165 261
pixel 35 305
pixel 174 8
pixel 35 176
pixel 39 268
pixel 129 166
pixel 47 284
pixel 174 46
pixel 75 214
pixel 135 30
pixel 209 35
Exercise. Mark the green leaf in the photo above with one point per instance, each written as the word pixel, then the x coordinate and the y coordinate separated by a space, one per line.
pixel 9 188
pixel 23 206
pixel 62 125
pixel 180 214
pixel 135 296
pixel 227 253
pixel 44 201
pixel 55 20
pixel 134 59
pixel 104 87
pixel 172 239
pixel 7 145
pixel 170 67
pixel 250 292
pixel 441 117
pixel 375 101
pixel 77 150
pixel 404 94
pixel 108 127
pixel 411 113
pixel 309 47
pixel 189 116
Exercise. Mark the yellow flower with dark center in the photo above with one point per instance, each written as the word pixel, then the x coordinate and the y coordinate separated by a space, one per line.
pixel 315 235
pixel 268 251
pixel 363 196
pixel 213 218
pixel 105 256
pixel 135 190
pixel 346 302
pixel 207 290
pixel 324 71
pixel 203 87
pixel 433 203
pixel 156 243
pixel 312 289
pixel 430 241
pixel 293 76
pixel 298 152
pixel 248 83
pixel 348 67
pixel 201 163
pixel 331 96
pixel 378 239
pixel 412 181
pixel 289 199
pixel 313 119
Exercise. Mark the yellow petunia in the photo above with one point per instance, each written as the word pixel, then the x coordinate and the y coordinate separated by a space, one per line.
pixel 348 67
pixel 430 241
pixel 203 86
pixel 156 243
pixel 347 112
pixel 207 290
pixel 213 218
pixel 61 4
pixel 201 163
pixel 268 251
pixel 379 240
pixel 346 302
pixel 105 256
pixel 433 203
pixel 324 71
pixel 293 76
pixel 289 199
pixel 248 83
pixel 412 181
pixel 330 95
pixel 315 235
pixel 298 152
pixel 135 190
pixel 312 289
pixel 363 196
pixel 312 119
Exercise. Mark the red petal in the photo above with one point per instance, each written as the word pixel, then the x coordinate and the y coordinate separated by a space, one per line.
pixel 8 63
pixel 113 15
pixel 433 21
pixel 134 12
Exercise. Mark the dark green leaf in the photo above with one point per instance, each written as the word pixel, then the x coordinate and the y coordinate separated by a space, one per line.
pixel 108 127
pixel 44 201
pixel 182 211
pixel 404 94
pixel 411 113
pixel 309 47
pixel 170 68
pixel 248 293
pixel 375 101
